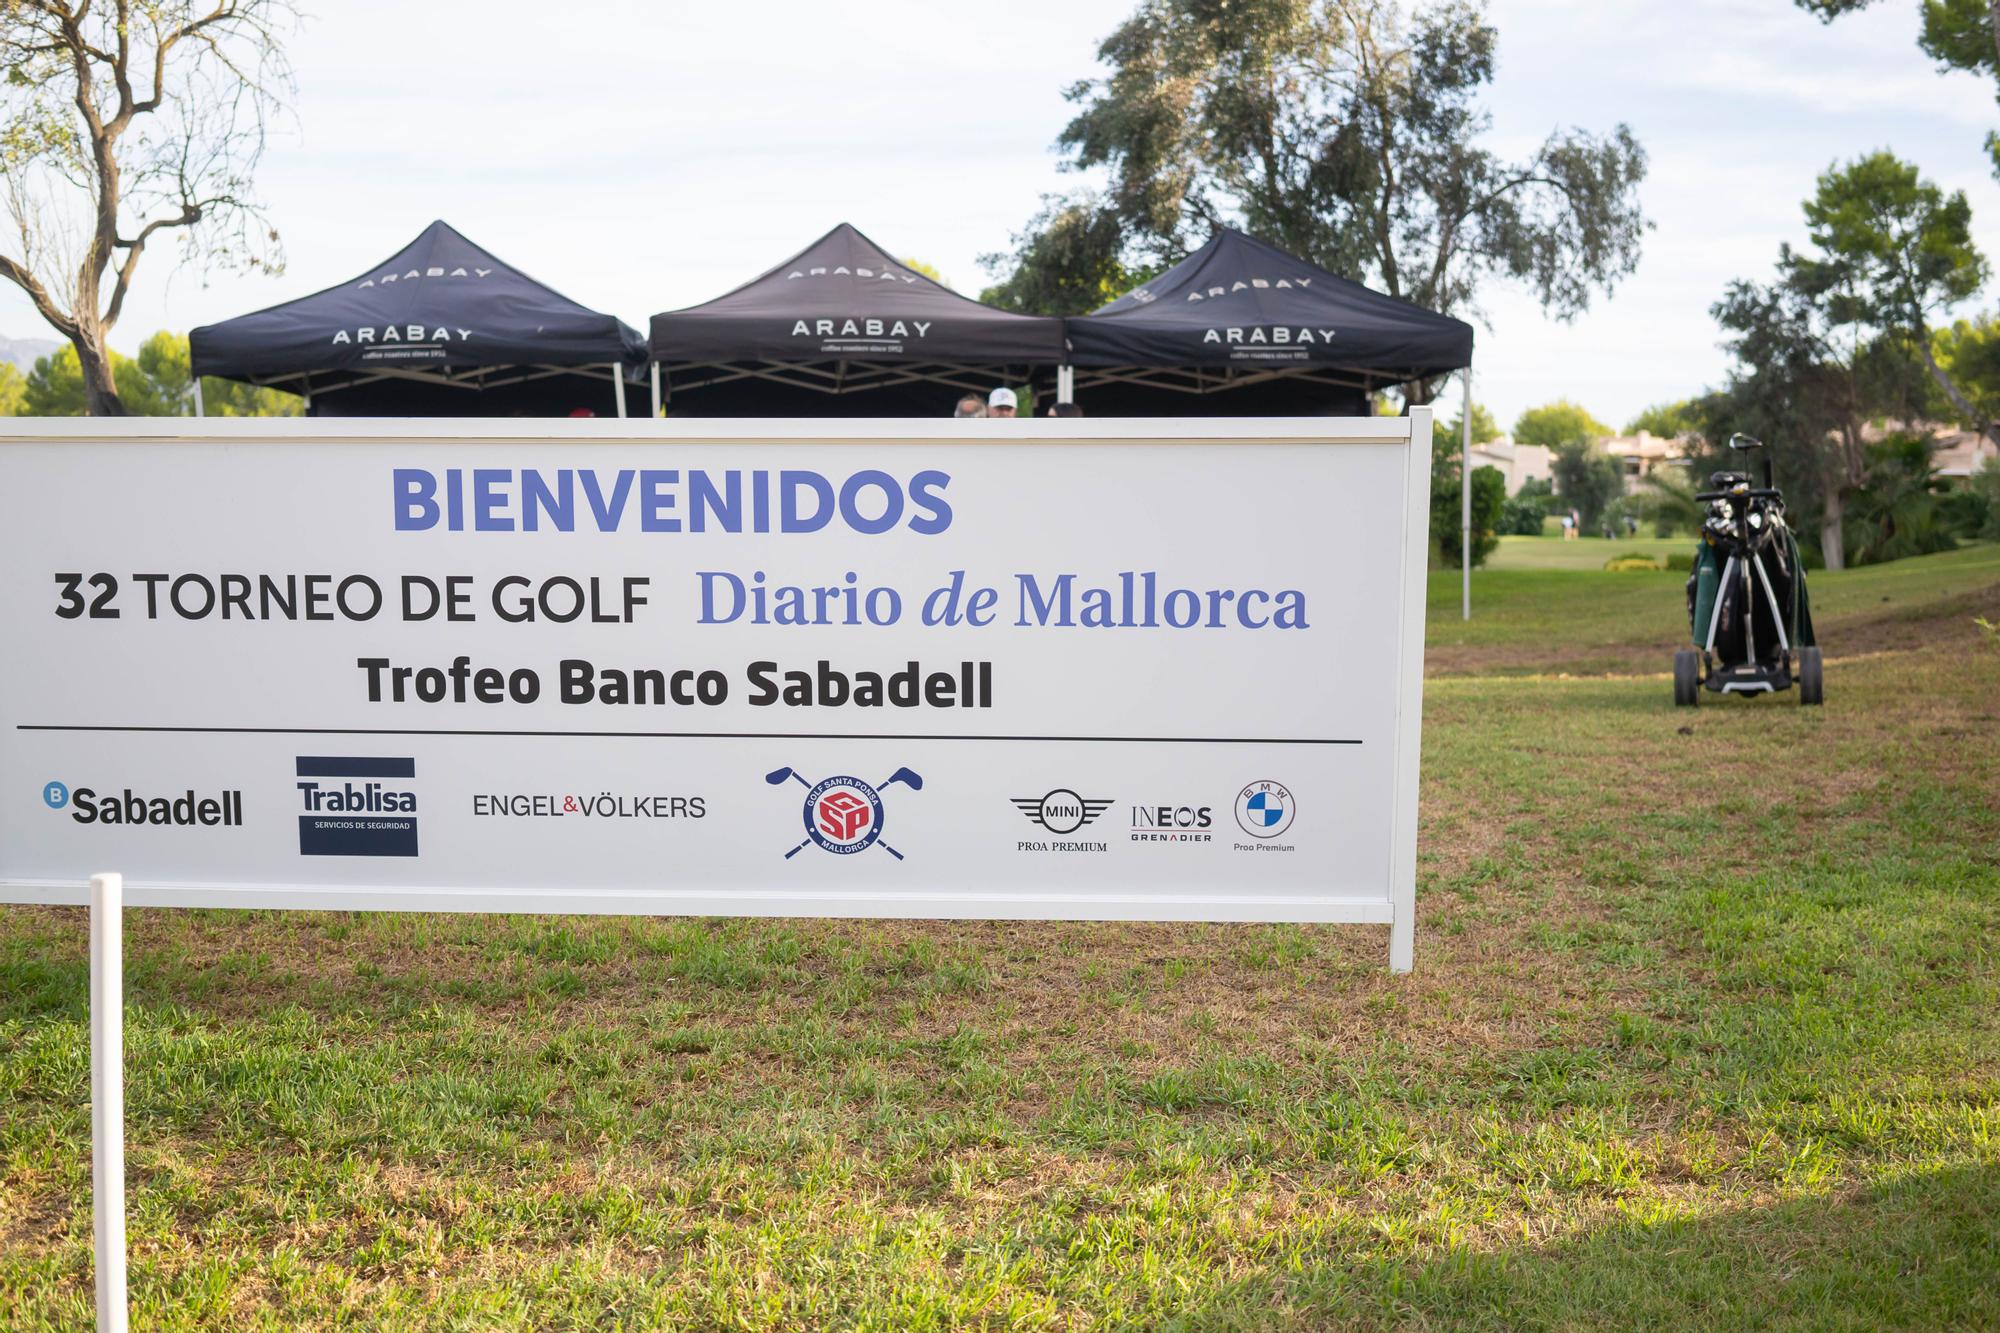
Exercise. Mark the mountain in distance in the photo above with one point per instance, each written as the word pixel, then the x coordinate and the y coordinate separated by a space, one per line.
pixel 24 352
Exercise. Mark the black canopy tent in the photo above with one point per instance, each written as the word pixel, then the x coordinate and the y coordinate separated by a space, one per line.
pixel 1240 328
pixel 842 325
pixel 442 328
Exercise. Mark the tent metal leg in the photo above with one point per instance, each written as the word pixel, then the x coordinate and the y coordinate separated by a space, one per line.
pixel 656 388
pixel 1065 384
pixel 618 385
pixel 197 398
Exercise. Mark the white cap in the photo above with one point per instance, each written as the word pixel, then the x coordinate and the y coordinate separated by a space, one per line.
pixel 1001 398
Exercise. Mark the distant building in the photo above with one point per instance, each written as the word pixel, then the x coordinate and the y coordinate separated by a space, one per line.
pixel 1957 454
pixel 1638 455
pixel 1518 463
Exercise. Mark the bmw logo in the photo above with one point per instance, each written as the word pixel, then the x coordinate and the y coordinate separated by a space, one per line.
pixel 1264 809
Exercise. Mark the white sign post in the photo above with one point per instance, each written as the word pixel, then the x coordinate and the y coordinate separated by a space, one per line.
pixel 1033 669
pixel 107 1096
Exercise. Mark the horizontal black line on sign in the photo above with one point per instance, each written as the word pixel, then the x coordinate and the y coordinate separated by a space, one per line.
pixel 695 735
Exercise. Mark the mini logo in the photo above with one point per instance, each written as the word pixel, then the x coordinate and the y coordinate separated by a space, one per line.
pixel 55 795
pixel 843 815
pixel 356 805
pixel 1061 811
pixel 1264 809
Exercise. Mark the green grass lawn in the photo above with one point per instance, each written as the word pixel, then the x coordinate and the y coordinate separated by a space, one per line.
pixel 1704 1033
pixel 1590 621
pixel 1580 553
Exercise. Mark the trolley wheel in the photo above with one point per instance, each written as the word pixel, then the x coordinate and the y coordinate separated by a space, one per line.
pixel 1812 686
pixel 1687 678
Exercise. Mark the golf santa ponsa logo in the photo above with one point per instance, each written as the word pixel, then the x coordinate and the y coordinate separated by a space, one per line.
pixel 844 815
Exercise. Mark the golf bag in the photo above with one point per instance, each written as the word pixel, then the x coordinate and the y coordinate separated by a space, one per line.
pixel 1748 614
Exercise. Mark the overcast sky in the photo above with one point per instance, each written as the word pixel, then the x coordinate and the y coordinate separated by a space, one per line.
pixel 650 156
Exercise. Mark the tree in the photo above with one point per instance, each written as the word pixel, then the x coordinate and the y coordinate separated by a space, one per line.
pixel 1842 336
pixel 127 120
pixel 13 389
pixel 1669 501
pixel 169 391
pixel 1898 513
pixel 1527 508
pixel 1560 422
pixel 1669 421
pixel 1958 34
pixel 1986 482
pixel 1801 385
pixel 928 270
pixel 1345 131
pixel 1969 352
pixel 155 383
pixel 56 388
pixel 1070 260
pixel 1489 499
pixel 1899 251
pixel 1451 434
pixel 1586 479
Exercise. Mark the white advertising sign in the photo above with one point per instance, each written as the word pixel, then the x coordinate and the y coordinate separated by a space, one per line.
pixel 1153 670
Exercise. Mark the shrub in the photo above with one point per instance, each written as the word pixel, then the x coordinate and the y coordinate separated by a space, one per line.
pixel 1524 515
pixel 1489 496
pixel 1587 479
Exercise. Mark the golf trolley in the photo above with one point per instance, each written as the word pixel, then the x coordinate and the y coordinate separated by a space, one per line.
pixel 1746 599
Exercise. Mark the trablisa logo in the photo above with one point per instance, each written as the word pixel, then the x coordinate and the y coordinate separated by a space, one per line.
pixel 184 809
pixel 357 805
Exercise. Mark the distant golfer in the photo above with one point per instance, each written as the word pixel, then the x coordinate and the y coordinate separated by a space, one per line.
pixel 1065 410
pixel 970 406
pixel 1000 403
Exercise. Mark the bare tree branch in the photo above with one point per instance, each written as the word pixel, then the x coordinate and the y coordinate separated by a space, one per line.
pixel 88 189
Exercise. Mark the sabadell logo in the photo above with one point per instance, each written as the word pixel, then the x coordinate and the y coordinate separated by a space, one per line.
pixel 184 809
